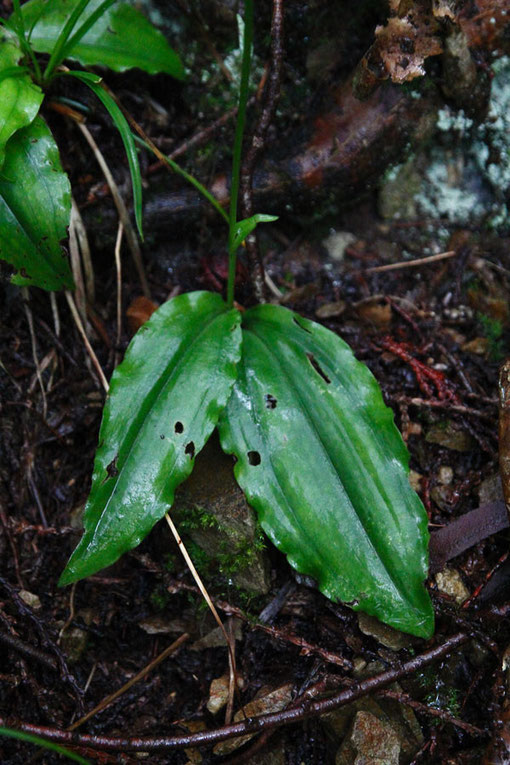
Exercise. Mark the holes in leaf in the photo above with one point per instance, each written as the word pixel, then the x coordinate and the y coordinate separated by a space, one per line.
pixel 190 449
pixel 270 400
pixel 178 427
pixel 305 329
pixel 254 458
pixel 111 469
pixel 315 364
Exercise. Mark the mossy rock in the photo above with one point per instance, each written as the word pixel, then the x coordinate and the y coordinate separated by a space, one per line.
pixel 211 510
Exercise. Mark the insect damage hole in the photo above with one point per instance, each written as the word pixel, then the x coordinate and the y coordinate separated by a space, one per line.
pixel 270 400
pixel 254 458
pixel 315 364
pixel 112 468
pixel 179 427
pixel 190 449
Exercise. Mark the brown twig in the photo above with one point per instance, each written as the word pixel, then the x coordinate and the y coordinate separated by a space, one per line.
pixel 257 144
pixel 139 676
pixel 251 725
pixel 43 633
pixel 411 263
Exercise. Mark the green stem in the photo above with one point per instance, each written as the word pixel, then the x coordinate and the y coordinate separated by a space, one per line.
pixel 82 31
pixel 25 45
pixel 238 145
pixel 56 57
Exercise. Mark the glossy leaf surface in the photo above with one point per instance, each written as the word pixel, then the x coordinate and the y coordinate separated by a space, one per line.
pixel 121 39
pixel 320 459
pixel 121 123
pixel 247 225
pixel 35 206
pixel 20 99
pixel 164 401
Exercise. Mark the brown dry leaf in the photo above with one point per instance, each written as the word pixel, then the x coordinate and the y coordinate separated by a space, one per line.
pixel 401 47
pixel 485 24
pixel 139 311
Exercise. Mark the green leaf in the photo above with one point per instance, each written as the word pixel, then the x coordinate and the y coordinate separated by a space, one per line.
pixel 122 38
pixel 165 399
pixel 94 83
pixel 20 99
pixel 320 459
pixel 31 739
pixel 243 228
pixel 35 206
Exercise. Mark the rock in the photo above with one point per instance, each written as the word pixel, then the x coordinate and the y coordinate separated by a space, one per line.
pixel 449 435
pixel 74 640
pixel 389 712
pixel 265 702
pixel 212 511
pixel 30 599
pixel 337 242
pixel 370 742
pixel 450 582
pixel 445 475
pixel 218 692
pixel 491 489
pixel 388 636
pixel 398 190
pixel 216 639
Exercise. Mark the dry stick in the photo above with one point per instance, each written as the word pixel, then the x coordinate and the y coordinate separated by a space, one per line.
pixel 54 311
pixel 121 209
pixel 74 251
pixel 90 350
pixel 26 298
pixel 254 724
pixel 411 263
pixel 118 268
pixel 199 138
pixel 425 709
pixel 139 676
pixel 83 241
pixel 207 598
pixel 257 144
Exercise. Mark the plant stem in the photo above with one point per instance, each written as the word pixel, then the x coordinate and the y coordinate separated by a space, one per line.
pixel 22 37
pixel 238 145
pixel 56 56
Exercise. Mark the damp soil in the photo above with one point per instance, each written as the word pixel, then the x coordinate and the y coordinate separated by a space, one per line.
pixel 434 336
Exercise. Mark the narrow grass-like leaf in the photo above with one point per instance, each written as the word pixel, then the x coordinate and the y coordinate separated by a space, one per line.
pixel 35 206
pixel 320 459
pixel 20 735
pixel 164 401
pixel 121 38
pixel 244 227
pixel 94 83
pixel 20 99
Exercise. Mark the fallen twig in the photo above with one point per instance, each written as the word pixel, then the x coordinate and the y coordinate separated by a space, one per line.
pixel 251 725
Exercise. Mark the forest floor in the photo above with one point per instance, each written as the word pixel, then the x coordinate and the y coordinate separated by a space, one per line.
pixel 422 297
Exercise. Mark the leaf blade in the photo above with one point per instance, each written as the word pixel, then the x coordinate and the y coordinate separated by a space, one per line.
pixel 35 205
pixel 123 38
pixel 20 98
pixel 121 123
pixel 340 508
pixel 144 454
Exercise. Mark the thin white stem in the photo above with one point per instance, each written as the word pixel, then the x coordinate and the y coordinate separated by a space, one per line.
pixel 90 350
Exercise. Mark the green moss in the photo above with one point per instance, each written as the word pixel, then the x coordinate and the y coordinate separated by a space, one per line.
pixel 159 598
pixel 492 329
